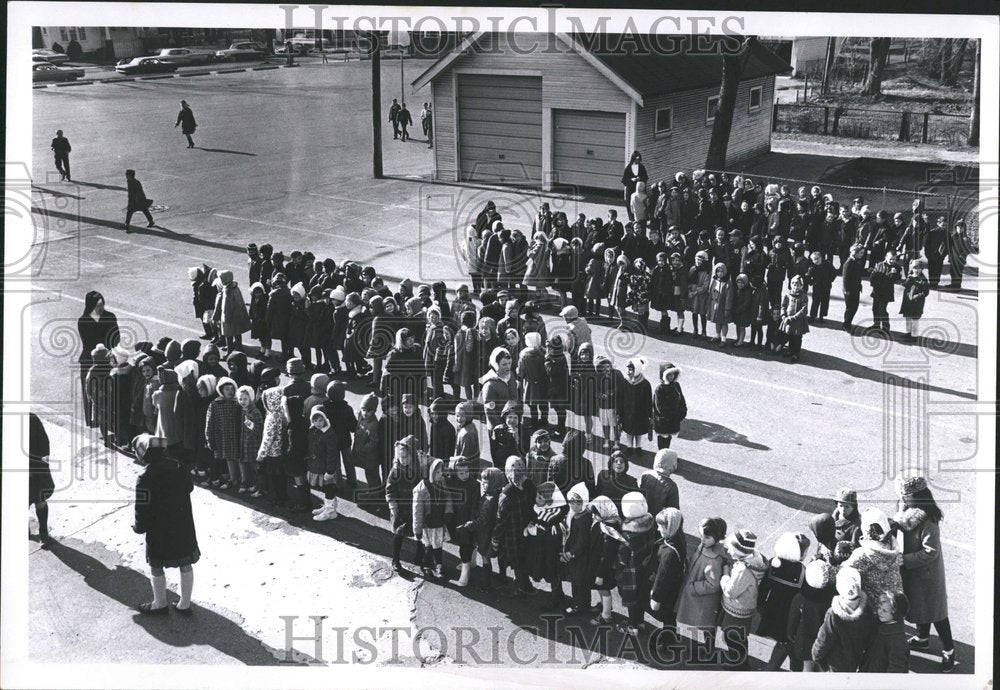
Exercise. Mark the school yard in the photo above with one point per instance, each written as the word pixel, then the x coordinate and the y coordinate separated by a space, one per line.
pixel 284 157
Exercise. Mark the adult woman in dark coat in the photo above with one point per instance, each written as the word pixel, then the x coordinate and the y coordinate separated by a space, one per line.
pixel 163 513
pixel 96 326
pixel 40 483
pixel 634 172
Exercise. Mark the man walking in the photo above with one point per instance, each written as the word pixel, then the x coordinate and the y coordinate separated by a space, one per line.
pixel 186 118
pixel 405 120
pixel 394 118
pixel 426 118
pixel 61 148
pixel 137 200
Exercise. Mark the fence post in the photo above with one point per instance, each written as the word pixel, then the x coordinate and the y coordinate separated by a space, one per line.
pixel 774 118
pixel 904 125
pixel 836 119
pixel 826 119
pixel 923 137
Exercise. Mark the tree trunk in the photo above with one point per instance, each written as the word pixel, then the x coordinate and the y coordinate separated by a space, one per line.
pixel 950 70
pixel 732 69
pixel 944 61
pixel 973 139
pixel 831 56
pixel 878 53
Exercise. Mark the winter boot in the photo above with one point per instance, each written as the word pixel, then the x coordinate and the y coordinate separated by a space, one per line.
pixel 463 579
pixel 329 510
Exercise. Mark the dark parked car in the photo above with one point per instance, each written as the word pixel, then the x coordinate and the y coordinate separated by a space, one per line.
pixel 44 71
pixel 145 65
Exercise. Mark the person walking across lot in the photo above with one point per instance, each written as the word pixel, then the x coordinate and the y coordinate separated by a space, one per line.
pixel 394 117
pixel 61 149
pixel 427 120
pixel 405 120
pixel 137 200
pixel 185 118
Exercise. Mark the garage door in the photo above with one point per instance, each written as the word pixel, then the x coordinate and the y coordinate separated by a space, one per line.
pixel 500 128
pixel 588 148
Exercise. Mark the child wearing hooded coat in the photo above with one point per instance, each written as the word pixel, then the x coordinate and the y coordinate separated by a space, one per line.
pixel 843 637
pixel 251 434
pixel 544 536
pixel 807 612
pixel 432 509
pixel 539 455
pixel 464 490
pixel 656 485
pixel 606 516
pixel 169 421
pixel 614 481
pixel 700 599
pixel 635 407
pixel 669 405
pixel 403 477
pixel 635 559
pixel 483 521
pixel 322 464
pixel 669 573
pixel 583 539
pixel 774 598
pixel 514 512
pixel 740 587
pixel 223 424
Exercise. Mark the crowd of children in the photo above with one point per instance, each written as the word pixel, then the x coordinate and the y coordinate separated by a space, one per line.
pixel 281 428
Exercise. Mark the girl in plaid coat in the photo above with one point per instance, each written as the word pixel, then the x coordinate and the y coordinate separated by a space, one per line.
pixel 514 512
pixel 222 432
pixel 251 433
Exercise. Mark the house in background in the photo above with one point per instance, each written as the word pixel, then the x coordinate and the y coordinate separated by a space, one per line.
pixel 806 54
pixel 103 42
pixel 572 115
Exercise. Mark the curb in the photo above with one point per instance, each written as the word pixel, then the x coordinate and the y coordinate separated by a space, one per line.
pixel 265 67
pixel 157 76
pixel 292 65
pixel 230 71
pixel 72 83
pixel 192 74
pixel 115 80
pixel 39 86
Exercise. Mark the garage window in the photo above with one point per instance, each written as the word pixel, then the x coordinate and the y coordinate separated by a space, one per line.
pixel 756 95
pixel 63 35
pixel 711 108
pixel 664 121
pixel 83 33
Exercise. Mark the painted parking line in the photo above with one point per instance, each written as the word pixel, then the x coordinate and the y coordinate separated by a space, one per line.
pixel 199 259
pixel 380 245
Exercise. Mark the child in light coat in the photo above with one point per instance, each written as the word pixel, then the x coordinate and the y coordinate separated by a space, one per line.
pixel 739 594
pixel 701 596
pixel 432 506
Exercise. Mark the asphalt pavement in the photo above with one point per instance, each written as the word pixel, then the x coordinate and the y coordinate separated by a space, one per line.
pixel 284 156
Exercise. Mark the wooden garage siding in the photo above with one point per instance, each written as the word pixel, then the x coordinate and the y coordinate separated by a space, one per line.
pixel 500 127
pixel 687 146
pixel 442 96
pixel 588 147
pixel 569 81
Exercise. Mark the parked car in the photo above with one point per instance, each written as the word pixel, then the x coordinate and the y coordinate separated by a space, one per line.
pixel 241 51
pixel 183 56
pixel 45 71
pixel 145 65
pixel 45 55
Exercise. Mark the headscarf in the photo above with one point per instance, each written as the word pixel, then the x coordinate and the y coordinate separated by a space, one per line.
pixel 533 339
pixel 495 479
pixel 211 383
pixel 495 357
pixel 671 519
pixel 515 470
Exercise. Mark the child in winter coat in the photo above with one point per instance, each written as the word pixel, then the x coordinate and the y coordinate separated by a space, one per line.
pixel 223 434
pixel 606 516
pixel 656 485
pixel 557 370
pixel 915 290
pixel 669 405
pixel 510 437
pixel 322 466
pixel 251 433
pixel 539 456
pixel 679 290
pixel 720 302
pixel 775 339
pixel 846 517
pixel 403 477
pixel 820 276
pixel 742 307
pixel 807 612
pixel 169 421
pixel 615 481
pixel 670 570
pixel 344 421
pixel 491 483
pixel 432 508
pixel 887 650
pixel 514 512
pixel 205 393
pixel 635 560
pixel 783 581
pixel 661 289
pixel 701 596
pixel 760 312
pixel 442 434
pixel 609 382
pixel 366 451
pixel 843 637
pixel 582 544
pixel 739 594
pixel 465 500
pixel 544 538
pixel 635 407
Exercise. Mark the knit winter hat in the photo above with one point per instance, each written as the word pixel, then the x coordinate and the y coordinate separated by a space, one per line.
pixel 671 519
pixel 554 346
pixel 414 305
pixel 848 583
pixel 439 406
pixel 166 376
pixel 819 574
pixel 511 406
pixel 194 273
pixel 744 541
pixel 634 505
pixel 120 355
pixel 466 408
pixel 406 399
pixel 210 351
pixel 369 402
pixel 907 486
pixel 570 313
pixel 665 461
pixel 236 359
pixel 142 444
pixel 823 528
pixel 295 367
pixel 187 369
pixel 791 546
pixel 336 391
pixel 225 277
pixel 533 339
pixel 190 349
pixel 210 383
pixel 338 294
pixel 299 290
pixel 319 383
pixel 846 495
pixel 173 351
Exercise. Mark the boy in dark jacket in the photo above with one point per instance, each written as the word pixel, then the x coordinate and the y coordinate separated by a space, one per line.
pixel 442 436
pixel 344 422
pixel 884 277
pixel 888 651
pixel 820 276
pixel 491 483
pixel 807 612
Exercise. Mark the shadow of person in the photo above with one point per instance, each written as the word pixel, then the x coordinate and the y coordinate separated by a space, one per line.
pixel 97 185
pixel 131 588
pixel 699 430
pixel 240 153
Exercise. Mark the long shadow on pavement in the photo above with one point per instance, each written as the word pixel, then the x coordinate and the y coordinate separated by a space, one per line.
pixel 131 588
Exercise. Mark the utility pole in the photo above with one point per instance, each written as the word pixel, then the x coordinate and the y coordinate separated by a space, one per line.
pixel 402 89
pixel 376 105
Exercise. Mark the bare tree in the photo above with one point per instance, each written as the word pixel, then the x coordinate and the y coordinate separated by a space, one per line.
pixel 831 56
pixel 951 60
pixel 973 139
pixel 878 55
pixel 733 65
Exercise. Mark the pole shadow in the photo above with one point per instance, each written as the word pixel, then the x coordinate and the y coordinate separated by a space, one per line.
pixel 239 153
